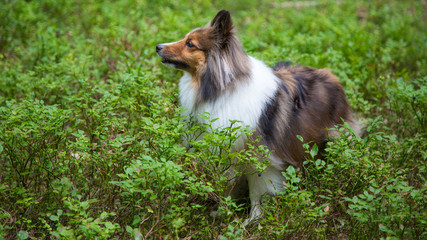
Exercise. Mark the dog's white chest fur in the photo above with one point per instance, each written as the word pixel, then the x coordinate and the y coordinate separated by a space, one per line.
pixel 243 103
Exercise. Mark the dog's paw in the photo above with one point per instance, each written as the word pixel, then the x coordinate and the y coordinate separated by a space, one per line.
pixel 251 222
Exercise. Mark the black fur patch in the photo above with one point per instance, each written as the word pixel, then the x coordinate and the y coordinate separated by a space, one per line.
pixel 301 93
pixel 282 65
pixel 284 88
pixel 209 89
pixel 268 118
pixel 177 64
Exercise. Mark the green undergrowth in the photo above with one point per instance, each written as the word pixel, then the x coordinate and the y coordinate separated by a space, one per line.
pixel 93 144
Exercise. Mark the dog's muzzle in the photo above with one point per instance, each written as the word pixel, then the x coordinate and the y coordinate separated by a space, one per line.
pixel 169 62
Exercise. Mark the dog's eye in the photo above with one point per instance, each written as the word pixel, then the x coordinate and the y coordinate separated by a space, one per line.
pixel 189 44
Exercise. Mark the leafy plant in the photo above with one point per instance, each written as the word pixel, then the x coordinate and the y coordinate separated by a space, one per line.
pixel 32 135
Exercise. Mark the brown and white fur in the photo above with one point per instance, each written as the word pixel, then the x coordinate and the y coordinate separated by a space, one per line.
pixel 278 103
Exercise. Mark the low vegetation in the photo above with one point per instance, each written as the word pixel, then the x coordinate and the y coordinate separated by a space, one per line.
pixel 91 129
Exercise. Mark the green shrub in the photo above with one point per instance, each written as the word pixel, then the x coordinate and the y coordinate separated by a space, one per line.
pixel 32 136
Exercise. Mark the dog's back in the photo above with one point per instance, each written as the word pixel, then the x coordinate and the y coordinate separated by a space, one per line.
pixel 309 102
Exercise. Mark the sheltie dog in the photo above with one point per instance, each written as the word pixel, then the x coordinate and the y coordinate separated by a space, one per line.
pixel 278 103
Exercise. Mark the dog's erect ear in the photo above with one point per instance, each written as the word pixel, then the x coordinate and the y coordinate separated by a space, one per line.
pixel 222 23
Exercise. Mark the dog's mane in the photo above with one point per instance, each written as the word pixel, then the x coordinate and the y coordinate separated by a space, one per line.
pixel 227 61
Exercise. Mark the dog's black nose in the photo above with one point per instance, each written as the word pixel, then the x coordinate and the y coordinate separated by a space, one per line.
pixel 159 48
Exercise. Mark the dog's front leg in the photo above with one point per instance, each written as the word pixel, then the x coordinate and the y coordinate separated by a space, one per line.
pixel 270 182
pixel 237 188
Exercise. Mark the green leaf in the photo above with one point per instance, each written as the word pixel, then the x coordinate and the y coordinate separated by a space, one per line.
pixel 104 215
pixel 109 225
pixel 23 234
pixel 129 229
pixel 54 218
pixel 136 220
pixel 290 170
pixel 314 150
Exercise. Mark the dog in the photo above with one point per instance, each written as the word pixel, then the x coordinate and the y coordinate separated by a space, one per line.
pixel 277 103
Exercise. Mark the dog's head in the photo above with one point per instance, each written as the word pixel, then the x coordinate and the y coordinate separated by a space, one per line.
pixel 191 53
pixel 212 55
